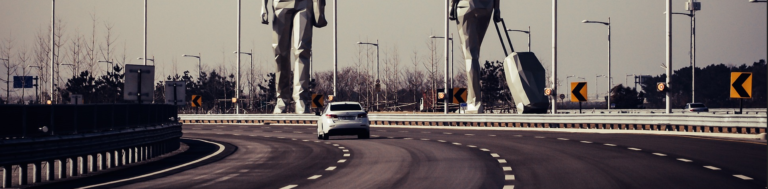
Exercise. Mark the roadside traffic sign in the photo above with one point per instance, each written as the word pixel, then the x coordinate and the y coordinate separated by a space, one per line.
pixel 741 84
pixel 661 87
pixel 175 91
pixel 459 95
pixel 562 96
pixel 578 91
pixel 317 100
pixel 197 101
pixel 22 82
pixel 547 91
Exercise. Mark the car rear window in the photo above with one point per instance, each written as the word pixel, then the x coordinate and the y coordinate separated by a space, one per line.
pixel 698 106
pixel 345 107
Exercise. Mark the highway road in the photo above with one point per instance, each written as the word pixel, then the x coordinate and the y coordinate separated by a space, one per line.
pixel 290 156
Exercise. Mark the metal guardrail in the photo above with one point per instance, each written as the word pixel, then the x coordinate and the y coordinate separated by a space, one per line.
pixel 81 139
pixel 23 121
pixel 644 119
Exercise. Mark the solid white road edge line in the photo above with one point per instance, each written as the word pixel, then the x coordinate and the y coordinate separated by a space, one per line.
pixel 221 149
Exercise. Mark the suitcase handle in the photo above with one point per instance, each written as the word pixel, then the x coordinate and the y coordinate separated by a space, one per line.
pixel 501 39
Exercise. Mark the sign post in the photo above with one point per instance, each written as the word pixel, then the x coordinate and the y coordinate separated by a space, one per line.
pixel 741 87
pixel 578 93
pixel 175 91
pixel 138 82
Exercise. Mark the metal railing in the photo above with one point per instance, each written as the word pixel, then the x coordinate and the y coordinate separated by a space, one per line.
pixel 23 121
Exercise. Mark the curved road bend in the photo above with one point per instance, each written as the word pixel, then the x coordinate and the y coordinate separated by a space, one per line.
pixel 279 156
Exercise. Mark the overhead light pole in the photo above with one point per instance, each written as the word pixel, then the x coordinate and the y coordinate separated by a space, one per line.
pixel 447 91
pixel 145 34
pixel 335 45
pixel 53 41
pixel 609 57
pixel 554 55
pixel 692 6
pixel 524 31
pixel 199 67
pixel 150 59
pixel 237 80
pixel 668 66
pixel 377 67
pixel 250 86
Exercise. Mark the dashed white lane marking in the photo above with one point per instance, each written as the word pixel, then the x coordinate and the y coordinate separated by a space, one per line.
pixel 403 131
pixel 253 135
pixel 297 132
pixel 236 134
pixel 277 131
pixel 587 142
pixel 494 155
pixel 221 149
pixel 509 187
pixel 294 139
pixel 426 132
pixel 289 186
pixel 346 155
pixel 345 150
pixel 659 154
pixel 684 160
pixel 313 177
pixel 390 137
pixel 484 149
pixel 447 133
pixel 456 143
pixel 539 137
pixel 742 177
pixel 470 134
pixel 342 161
pixel 219 133
pixel 507 168
pixel 424 139
pixel 518 135
pixel 635 149
pixel 712 167
pixel 328 143
pixel 341 147
pixel 440 140
pixel 502 160
pixel 219 126
pixel 509 177
pixel 317 141
pixel 472 146
pixel 331 168
pixel 609 144
pixel 305 140
pixel 492 135
pixel 280 137
pixel 562 139
pixel 375 135
pixel 335 144
pixel 407 138
pixel 265 127
pixel 244 170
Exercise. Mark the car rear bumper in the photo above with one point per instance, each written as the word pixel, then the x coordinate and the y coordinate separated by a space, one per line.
pixel 348 131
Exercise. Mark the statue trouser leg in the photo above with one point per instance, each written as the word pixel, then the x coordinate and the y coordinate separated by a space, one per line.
pixel 302 40
pixel 282 26
pixel 472 25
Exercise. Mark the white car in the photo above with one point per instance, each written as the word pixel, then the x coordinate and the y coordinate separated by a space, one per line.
pixel 343 118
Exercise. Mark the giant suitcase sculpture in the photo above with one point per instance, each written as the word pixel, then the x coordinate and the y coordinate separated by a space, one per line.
pixel 525 77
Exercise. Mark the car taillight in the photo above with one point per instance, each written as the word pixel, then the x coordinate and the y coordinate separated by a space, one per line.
pixel 331 116
pixel 362 115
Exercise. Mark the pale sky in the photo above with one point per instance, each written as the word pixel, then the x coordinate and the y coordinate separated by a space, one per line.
pixel 728 31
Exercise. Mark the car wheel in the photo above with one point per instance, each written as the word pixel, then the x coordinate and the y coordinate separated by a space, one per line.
pixel 365 135
pixel 326 137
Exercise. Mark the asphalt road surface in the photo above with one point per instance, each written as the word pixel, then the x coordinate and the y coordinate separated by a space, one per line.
pixel 290 156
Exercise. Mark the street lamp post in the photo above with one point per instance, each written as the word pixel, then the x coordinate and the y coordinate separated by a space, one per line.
pixel 250 86
pixel 150 59
pixel 692 6
pixel 447 91
pixel 199 68
pixel 597 97
pixel 609 56
pixel 377 67
pixel 527 32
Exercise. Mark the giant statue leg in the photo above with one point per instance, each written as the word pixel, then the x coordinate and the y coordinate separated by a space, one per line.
pixel 302 40
pixel 472 26
pixel 281 44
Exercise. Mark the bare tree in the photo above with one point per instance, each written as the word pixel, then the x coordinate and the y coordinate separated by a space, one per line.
pixel 7 62
pixel 41 53
pixel 415 78
pixel 108 48
pixel 90 47
pixel 57 45
pixel 24 68
pixel 75 52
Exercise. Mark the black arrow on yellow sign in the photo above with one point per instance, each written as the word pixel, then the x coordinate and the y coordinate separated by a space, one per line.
pixel 739 87
pixel 459 95
pixel 196 100
pixel 577 90
pixel 317 101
